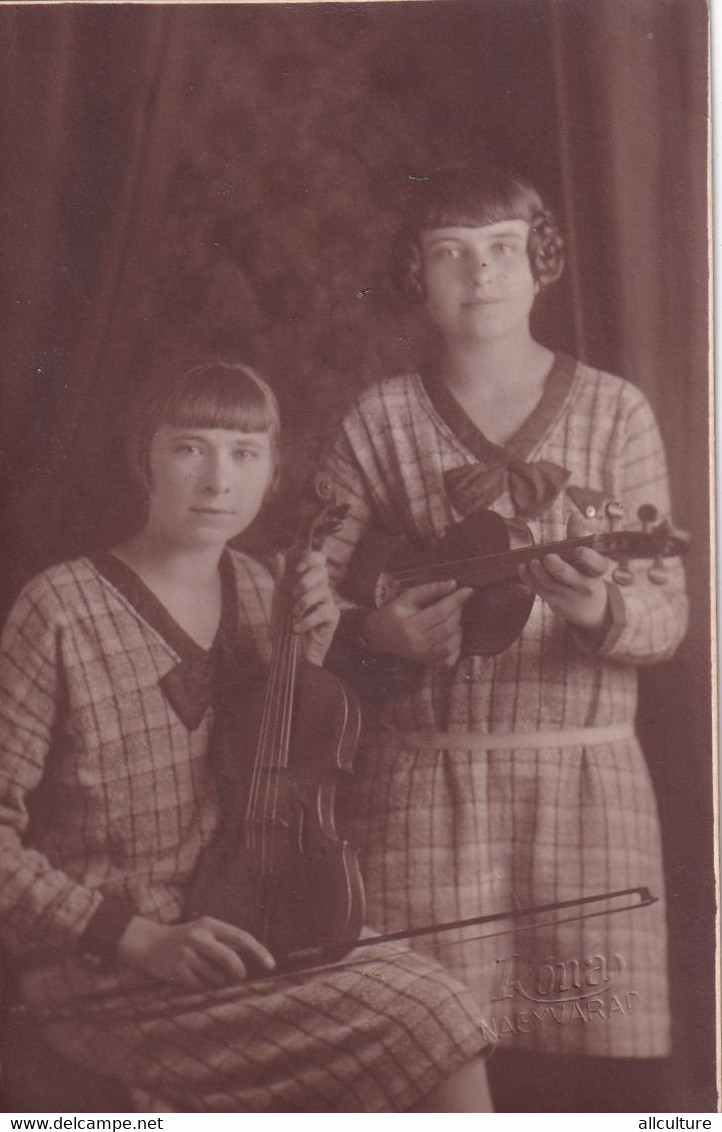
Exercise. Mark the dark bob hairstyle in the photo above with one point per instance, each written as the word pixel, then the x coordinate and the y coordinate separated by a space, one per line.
pixel 212 394
pixel 470 198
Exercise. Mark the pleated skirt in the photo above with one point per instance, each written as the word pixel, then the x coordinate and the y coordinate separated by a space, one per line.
pixel 447 835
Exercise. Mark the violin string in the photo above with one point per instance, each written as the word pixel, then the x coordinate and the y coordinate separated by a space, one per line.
pixel 254 809
pixel 500 559
pixel 265 745
pixel 267 740
pixel 289 648
pixel 284 650
pixel 253 805
pixel 288 688
pixel 253 793
pixel 283 735
pixel 274 731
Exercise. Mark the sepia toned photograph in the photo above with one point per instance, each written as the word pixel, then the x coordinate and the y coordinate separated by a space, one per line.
pixel 356 704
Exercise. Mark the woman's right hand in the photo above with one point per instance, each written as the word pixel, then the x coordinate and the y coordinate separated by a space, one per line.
pixel 422 624
pixel 200 955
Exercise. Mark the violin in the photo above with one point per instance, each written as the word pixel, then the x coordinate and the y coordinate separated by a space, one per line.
pixel 484 551
pixel 278 867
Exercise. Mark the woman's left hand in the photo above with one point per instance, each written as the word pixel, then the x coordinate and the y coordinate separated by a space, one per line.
pixel 315 613
pixel 575 591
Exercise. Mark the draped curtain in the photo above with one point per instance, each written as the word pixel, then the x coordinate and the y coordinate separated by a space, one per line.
pixel 89 108
pixel 633 105
pixel 197 176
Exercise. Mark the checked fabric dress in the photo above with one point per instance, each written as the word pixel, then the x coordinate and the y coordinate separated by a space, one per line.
pixel 107 798
pixel 460 809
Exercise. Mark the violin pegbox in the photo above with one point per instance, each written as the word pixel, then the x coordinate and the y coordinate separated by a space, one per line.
pixel 614 511
pixel 652 540
pixel 665 539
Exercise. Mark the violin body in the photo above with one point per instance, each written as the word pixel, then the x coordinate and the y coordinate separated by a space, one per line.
pixel 288 878
pixel 484 551
pixel 493 617
pixel 278 867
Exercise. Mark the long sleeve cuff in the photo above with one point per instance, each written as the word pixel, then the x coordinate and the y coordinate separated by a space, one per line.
pixel 106 926
pixel 601 641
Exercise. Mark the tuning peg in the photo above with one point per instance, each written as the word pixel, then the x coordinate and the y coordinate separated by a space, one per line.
pixel 647 514
pixel 322 486
pixel 622 575
pixel 613 510
pixel 657 572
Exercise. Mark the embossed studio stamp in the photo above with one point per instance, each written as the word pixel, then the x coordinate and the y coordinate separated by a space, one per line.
pixel 558 992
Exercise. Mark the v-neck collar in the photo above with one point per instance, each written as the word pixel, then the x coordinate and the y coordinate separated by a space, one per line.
pixel 152 610
pixel 557 384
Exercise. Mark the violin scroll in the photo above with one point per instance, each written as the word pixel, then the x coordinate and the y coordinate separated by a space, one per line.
pixel 327 515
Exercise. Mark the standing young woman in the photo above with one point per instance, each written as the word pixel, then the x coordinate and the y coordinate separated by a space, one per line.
pixel 115 675
pixel 499 781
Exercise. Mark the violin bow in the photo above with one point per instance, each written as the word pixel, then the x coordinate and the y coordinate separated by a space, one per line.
pixel 312 959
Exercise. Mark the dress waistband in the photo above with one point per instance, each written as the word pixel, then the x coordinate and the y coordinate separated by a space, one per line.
pixel 508 740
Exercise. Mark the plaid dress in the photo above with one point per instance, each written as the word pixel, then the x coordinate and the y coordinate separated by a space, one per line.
pixel 107 797
pixel 454 820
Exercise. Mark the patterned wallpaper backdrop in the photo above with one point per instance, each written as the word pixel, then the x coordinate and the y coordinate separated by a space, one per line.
pixel 227 177
pixel 294 140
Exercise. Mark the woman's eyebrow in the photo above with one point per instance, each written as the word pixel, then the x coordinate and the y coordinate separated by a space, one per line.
pixel 509 234
pixel 246 439
pixel 247 442
pixel 434 240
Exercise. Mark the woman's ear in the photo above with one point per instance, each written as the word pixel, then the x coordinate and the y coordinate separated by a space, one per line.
pixel 273 487
pixel 546 249
pixel 408 266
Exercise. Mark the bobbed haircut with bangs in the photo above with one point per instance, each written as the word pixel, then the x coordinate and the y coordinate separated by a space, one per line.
pixel 472 198
pixel 213 394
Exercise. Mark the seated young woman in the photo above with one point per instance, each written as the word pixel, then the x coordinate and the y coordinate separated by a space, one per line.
pixel 110 671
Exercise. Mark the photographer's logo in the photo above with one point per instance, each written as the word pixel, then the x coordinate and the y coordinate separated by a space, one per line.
pixel 558 992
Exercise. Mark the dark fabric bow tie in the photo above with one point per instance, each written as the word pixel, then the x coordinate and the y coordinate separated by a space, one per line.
pixel 209 677
pixel 532 486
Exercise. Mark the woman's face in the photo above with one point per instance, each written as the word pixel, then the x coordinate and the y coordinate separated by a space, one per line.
pixel 479 282
pixel 207 484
